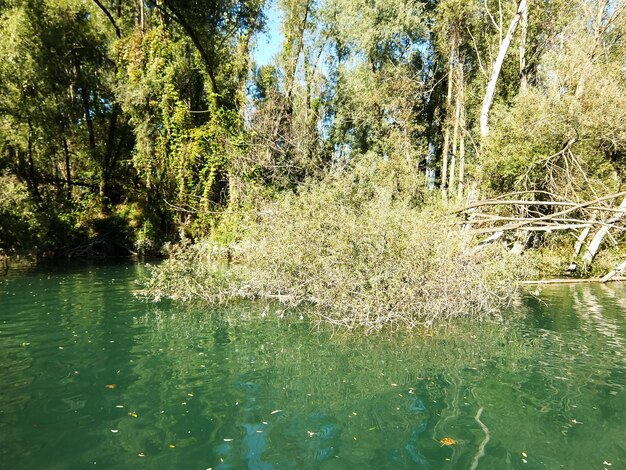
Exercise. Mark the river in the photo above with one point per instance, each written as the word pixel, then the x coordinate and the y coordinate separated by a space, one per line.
pixel 92 377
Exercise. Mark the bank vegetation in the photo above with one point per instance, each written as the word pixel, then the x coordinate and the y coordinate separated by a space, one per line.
pixel 390 159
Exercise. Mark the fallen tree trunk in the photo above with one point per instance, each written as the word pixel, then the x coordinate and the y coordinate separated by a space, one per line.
pixel 570 281
pixel 594 246
pixel 560 220
pixel 580 241
pixel 619 269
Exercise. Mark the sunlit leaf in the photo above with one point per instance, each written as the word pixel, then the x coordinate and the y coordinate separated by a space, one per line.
pixel 447 441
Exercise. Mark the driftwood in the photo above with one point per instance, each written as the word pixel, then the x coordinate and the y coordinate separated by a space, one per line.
pixel 589 220
pixel 613 274
pixel 598 238
pixel 572 281
pixel 569 216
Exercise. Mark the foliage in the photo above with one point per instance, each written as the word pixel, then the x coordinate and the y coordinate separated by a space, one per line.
pixel 191 273
pixel 373 264
pixel 20 229
pixel 132 124
pixel 357 250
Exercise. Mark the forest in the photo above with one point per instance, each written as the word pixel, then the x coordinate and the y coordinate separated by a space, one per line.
pixel 391 151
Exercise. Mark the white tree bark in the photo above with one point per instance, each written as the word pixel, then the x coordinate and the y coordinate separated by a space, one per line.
pixel 619 269
pixel 598 238
pixel 497 67
pixel 522 53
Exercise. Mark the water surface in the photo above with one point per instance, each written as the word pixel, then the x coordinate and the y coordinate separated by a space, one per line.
pixel 91 376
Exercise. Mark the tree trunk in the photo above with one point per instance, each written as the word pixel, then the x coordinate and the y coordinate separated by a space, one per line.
pixel 141 19
pixel 455 136
pixel 68 168
pixel 446 135
pixel 84 93
pixel 462 152
pixel 594 246
pixel 244 60
pixel 32 174
pixel 523 73
pixel 619 269
pixel 107 164
pixel 580 241
pixel 458 128
pixel 497 67
pixel 285 114
pixel 207 59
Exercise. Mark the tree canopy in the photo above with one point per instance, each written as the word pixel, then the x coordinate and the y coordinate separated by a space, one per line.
pixel 124 125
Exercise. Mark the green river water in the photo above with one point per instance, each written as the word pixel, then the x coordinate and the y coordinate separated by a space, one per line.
pixel 90 377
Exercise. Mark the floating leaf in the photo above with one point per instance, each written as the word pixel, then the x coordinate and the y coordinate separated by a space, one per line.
pixel 110 386
pixel 447 441
pixel 141 454
pixel 133 414
pixel 172 446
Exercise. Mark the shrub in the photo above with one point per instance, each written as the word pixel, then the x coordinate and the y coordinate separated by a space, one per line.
pixel 377 264
pixel 352 255
pixel 192 272
pixel 20 228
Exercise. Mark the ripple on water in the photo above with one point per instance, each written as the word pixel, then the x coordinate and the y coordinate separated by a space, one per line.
pixel 90 374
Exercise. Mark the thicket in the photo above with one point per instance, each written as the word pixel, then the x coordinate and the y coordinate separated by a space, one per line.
pixel 357 250
pixel 19 225
pixel 378 167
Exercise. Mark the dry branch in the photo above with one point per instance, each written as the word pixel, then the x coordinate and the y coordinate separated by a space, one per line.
pixel 571 216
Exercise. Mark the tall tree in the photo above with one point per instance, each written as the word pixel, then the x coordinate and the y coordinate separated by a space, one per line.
pixel 505 42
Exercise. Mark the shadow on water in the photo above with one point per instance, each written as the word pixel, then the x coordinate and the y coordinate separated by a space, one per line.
pixel 92 374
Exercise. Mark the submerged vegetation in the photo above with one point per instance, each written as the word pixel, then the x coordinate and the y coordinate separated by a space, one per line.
pixel 393 163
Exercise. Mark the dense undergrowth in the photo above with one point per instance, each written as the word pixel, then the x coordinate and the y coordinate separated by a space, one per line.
pixel 354 252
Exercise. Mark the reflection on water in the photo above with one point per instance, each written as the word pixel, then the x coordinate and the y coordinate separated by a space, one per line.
pixel 197 389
